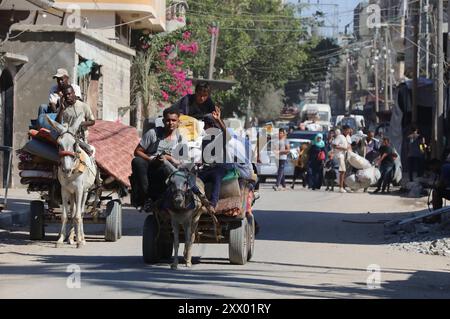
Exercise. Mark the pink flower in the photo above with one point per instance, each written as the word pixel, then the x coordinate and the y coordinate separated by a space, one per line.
pixel 165 96
pixel 180 19
pixel 186 35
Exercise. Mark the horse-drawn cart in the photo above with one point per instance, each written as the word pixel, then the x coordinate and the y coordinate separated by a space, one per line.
pixel 233 224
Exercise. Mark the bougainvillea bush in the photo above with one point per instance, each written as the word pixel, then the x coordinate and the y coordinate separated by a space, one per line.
pixel 169 57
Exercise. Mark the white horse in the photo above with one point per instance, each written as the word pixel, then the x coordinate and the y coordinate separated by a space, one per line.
pixel 186 209
pixel 76 174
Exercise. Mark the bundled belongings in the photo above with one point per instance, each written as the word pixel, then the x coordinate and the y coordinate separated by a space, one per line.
pixel 115 144
pixel 36 172
pixel 190 128
pixel 370 175
pixel 357 161
pixel 42 149
pixel 354 184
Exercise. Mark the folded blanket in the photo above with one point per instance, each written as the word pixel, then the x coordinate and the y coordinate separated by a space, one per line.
pixel 30 166
pixel 37 174
pixel 36 181
pixel 42 150
pixel 43 135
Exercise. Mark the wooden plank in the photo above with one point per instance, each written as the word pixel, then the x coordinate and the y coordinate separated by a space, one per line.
pixel 422 214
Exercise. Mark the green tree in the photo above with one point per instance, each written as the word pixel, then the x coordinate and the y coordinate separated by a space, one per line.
pixel 262 44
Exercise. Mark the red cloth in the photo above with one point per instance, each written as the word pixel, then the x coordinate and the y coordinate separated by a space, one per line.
pixel 115 144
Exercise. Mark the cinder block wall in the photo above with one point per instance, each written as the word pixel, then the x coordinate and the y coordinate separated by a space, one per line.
pixel 116 76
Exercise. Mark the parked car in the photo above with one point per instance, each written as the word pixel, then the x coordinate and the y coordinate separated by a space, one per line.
pixel 267 167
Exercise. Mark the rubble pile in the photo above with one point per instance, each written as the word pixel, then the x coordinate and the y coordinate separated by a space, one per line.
pixel 426 239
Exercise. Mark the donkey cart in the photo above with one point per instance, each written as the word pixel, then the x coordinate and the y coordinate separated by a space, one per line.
pixel 103 206
pixel 233 224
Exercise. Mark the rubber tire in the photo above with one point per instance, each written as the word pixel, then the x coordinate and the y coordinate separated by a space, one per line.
pixel 113 210
pixel 238 245
pixel 251 237
pixel 37 225
pixel 120 221
pixel 149 243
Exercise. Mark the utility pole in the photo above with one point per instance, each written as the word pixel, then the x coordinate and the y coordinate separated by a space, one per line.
pixel 439 107
pixel 347 81
pixel 387 70
pixel 377 89
pixel 213 50
pixel 414 110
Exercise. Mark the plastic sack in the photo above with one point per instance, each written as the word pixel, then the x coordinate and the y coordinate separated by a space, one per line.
pixel 398 175
pixel 354 184
pixel 357 161
pixel 369 175
pixel 189 128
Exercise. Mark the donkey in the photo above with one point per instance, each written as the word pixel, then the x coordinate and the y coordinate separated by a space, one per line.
pixel 76 174
pixel 186 206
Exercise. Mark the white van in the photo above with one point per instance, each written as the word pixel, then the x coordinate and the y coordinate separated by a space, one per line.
pixel 356 122
pixel 323 111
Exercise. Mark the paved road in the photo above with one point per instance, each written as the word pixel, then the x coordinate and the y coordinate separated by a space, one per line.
pixel 311 245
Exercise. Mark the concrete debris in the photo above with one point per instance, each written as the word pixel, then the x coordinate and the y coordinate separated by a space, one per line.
pixel 430 239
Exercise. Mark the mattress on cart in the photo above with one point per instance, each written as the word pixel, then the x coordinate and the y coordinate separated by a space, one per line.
pixel 114 144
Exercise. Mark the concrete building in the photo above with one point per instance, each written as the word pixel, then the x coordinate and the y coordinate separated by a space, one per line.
pixel 91 39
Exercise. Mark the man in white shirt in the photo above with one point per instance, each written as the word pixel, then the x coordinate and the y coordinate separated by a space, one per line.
pixel 341 144
pixel 55 94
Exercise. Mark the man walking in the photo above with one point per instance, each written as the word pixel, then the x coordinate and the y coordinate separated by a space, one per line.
pixel 341 146
pixel 282 154
pixel 386 164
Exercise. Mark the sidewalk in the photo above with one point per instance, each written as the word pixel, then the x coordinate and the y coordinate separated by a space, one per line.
pixel 17 212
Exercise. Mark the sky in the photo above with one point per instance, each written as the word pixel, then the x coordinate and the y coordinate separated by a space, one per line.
pixel 345 11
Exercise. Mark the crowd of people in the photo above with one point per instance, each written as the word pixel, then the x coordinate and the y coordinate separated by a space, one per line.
pixel 323 163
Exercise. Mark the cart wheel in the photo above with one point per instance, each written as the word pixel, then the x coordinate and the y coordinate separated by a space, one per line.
pixel 120 221
pixel 37 226
pixel 149 244
pixel 238 246
pixel 251 237
pixel 113 211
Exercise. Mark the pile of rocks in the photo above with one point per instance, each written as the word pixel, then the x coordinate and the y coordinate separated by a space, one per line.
pixel 428 239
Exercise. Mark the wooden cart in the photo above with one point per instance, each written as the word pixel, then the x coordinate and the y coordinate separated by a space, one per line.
pixel 238 231
pixel 103 206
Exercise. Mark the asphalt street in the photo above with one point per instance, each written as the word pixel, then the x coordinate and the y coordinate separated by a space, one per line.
pixel 311 245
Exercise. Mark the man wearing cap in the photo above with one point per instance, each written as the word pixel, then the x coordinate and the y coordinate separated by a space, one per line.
pixel 55 94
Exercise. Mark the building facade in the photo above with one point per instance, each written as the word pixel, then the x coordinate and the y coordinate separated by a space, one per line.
pixel 91 39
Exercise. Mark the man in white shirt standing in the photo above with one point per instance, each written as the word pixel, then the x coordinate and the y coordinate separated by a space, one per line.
pixel 342 144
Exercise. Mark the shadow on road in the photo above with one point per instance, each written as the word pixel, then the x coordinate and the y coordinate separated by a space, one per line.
pixel 128 274
pixel 323 227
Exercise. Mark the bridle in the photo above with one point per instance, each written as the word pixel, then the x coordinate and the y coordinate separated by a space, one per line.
pixel 67 153
pixel 76 155
pixel 187 192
